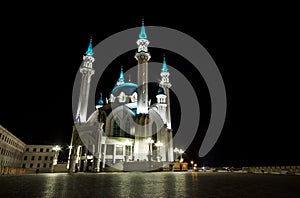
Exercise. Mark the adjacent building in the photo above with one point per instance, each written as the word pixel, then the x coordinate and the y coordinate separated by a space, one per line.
pixel 17 157
pixel 39 158
pixel 11 151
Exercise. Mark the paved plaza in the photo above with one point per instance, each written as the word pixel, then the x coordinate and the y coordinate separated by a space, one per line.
pixel 154 184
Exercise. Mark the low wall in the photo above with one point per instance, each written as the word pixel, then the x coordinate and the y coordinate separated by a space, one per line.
pixel 294 170
pixel 9 170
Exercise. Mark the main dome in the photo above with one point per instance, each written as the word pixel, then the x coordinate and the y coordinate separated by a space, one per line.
pixel 128 88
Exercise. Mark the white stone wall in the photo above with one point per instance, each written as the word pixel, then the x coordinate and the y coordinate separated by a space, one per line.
pixel 11 150
pixel 38 157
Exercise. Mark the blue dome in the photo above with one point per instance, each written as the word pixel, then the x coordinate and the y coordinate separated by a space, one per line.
pixel 160 91
pixel 127 88
pixel 100 101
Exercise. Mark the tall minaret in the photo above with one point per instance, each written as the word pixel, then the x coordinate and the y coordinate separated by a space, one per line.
pixel 87 71
pixel 165 84
pixel 142 56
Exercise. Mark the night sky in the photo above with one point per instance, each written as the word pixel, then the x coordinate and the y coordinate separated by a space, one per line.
pixel 252 49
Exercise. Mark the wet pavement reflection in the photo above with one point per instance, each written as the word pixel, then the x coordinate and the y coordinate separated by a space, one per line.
pixel 149 184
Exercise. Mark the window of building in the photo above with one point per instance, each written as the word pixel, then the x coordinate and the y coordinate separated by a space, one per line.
pixel 23 165
pixel 51 158
pixel 41 150
pixel 31 165
pixel 45 165
pixel 32 158
pixel 109 149
pixel 116 128
pixel 119 150
pixel 40 158
pixel 34 149
pixel 47 150
pixel 50 165
pixel 38 165
pixel 46 158
pixel 27 149
pixel 25 157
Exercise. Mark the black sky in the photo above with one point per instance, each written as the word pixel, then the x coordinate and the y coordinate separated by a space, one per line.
pixel 254 50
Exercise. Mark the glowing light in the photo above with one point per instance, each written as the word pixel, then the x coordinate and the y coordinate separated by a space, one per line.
pixel 56 148
pixel 149 141
pixel 181 151
pixel 158 144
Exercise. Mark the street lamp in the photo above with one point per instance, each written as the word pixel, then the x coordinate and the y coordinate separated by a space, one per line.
pixel 150 142
pixel 56 150
pixel 181 152
pixel 176 151
pixel 158 144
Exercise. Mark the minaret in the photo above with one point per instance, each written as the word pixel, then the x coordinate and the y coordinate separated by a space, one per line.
pixel 87 71
pixel 142 56
pixel 165 84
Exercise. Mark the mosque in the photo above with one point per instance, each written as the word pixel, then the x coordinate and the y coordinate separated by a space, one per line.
pixel 125 130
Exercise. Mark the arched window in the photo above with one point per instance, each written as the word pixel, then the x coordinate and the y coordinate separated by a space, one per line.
pixel 116 128
pixel 127 128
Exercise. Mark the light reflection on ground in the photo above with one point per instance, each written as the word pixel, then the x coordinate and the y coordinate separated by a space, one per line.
pixel 155 184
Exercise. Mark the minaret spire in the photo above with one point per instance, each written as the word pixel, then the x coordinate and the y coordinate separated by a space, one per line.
pixel 121 79
pixel 143 34
pixel 164 66
pixel 89 51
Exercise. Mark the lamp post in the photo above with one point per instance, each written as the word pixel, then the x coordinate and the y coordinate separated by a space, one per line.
pixel 158 144
pixel 149 141
pixel 176 151
pixel 181 152
pixel 56 150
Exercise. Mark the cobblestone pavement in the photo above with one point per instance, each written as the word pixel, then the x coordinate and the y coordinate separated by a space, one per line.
pixel 155 184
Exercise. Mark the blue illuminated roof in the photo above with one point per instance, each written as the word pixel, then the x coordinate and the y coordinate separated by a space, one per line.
pixel 89 51
pixel 128 88
pixel 143 34
pixel 100 101
pixel 121 78
pixel 164 66
pixel 160 91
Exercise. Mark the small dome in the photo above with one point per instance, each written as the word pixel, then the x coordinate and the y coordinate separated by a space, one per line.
pixel 160 91
pixel 100 101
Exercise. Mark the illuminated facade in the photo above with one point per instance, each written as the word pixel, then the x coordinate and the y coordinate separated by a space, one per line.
pixel 126 128
pixel 39 157
pixel 17 157
pixel 11 151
